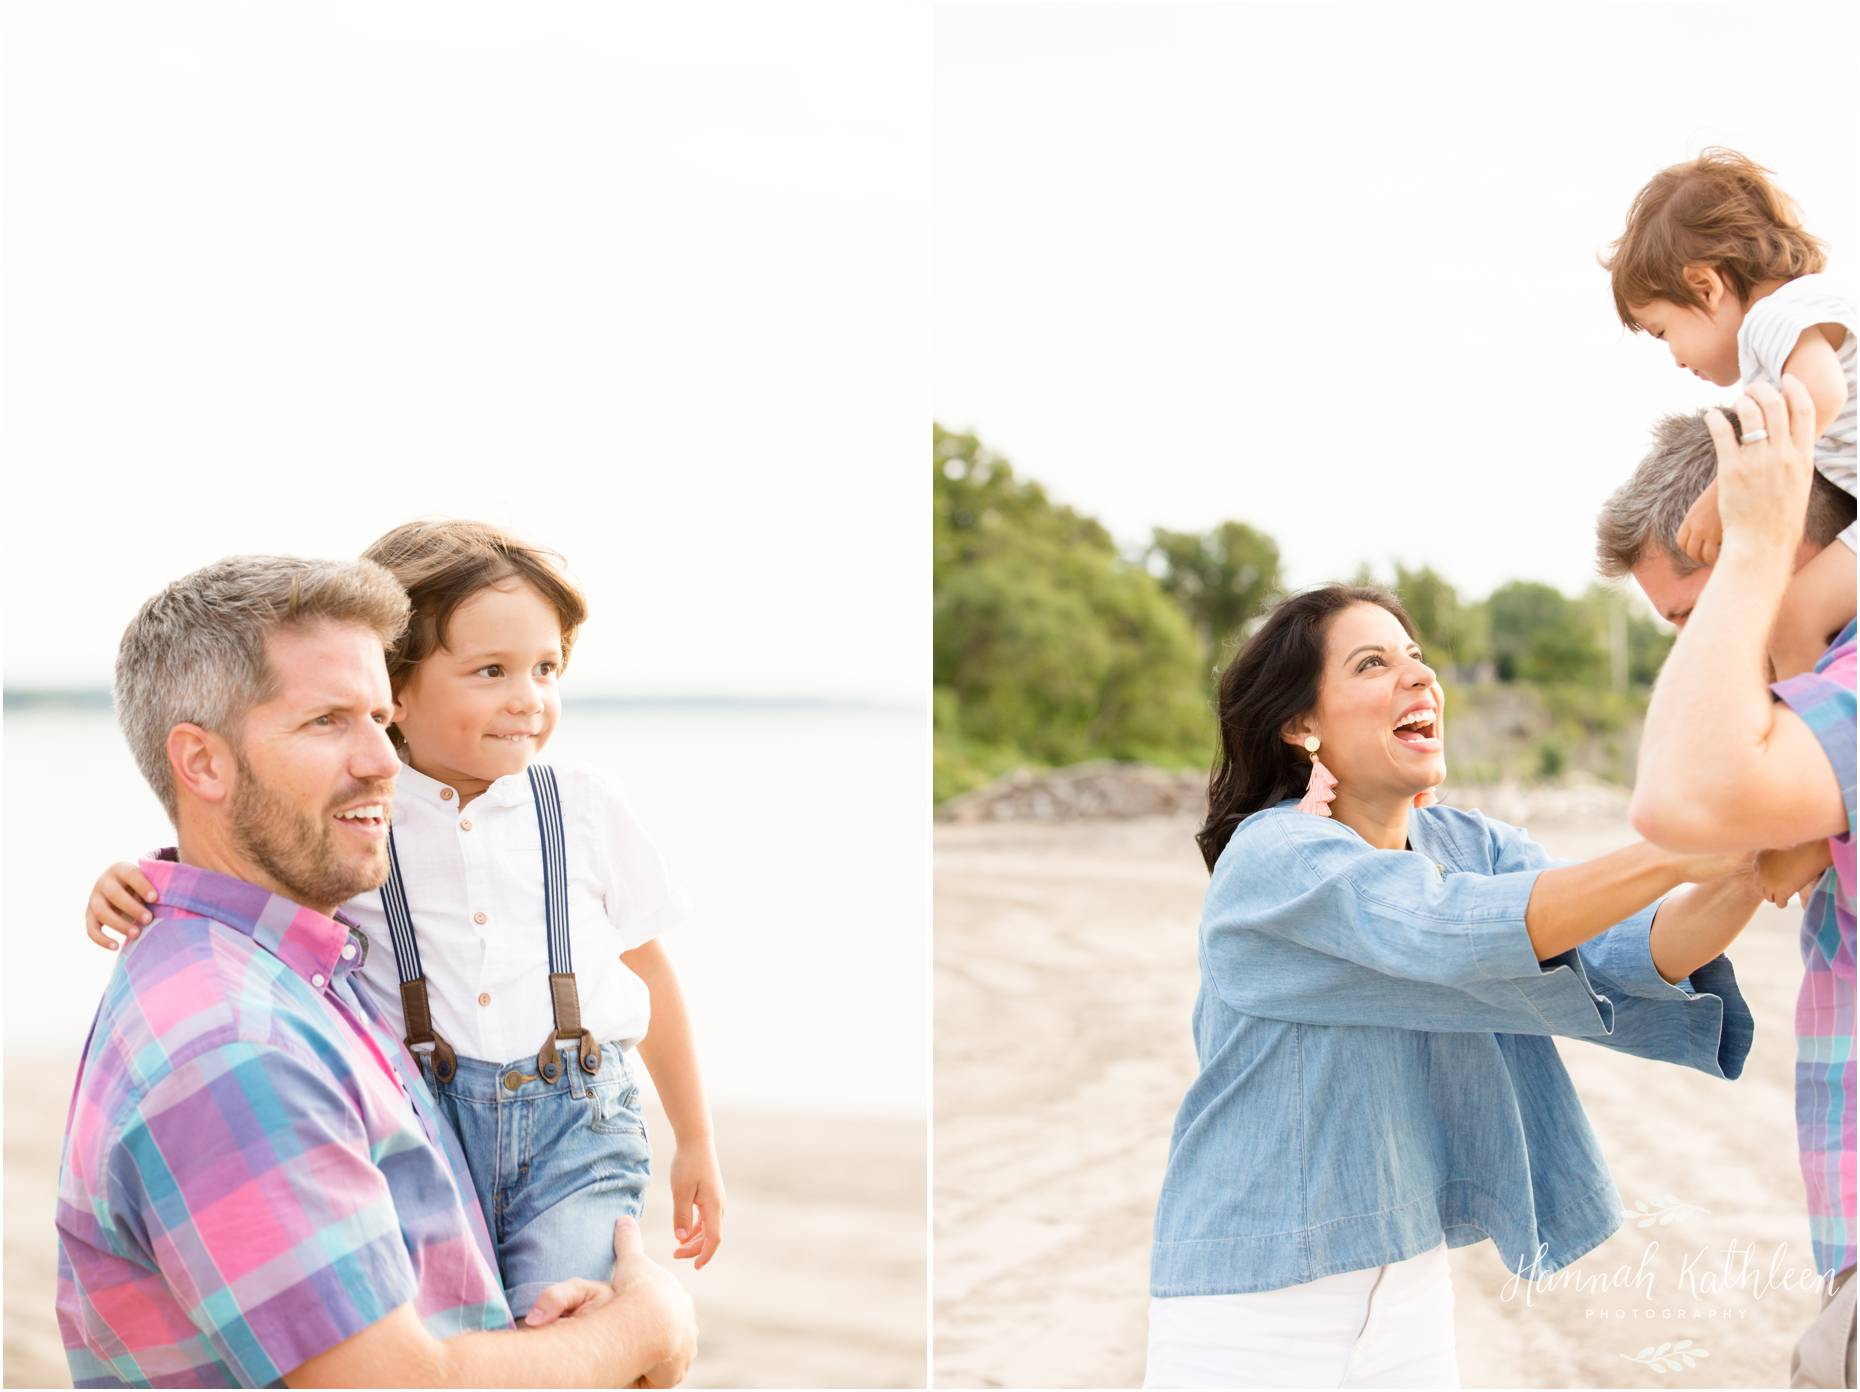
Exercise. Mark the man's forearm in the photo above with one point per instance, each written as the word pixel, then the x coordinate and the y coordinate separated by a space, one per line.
pixel 1711 713
pixel 611 1345
pixel 1572 903
pixel 1694 925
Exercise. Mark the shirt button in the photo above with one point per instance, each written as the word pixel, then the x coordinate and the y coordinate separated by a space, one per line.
pixel 445 795
pixel 484 998
pixel 464 825
pixel 319 981
pixel 478 918
pixel 348 952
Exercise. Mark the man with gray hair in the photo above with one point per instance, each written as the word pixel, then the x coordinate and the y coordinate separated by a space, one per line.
pixel 1731 763
pixel 256 1186
pixel 1636 533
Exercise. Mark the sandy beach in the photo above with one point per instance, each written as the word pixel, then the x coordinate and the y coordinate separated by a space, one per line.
pixel 1065 973
pixel 820 1282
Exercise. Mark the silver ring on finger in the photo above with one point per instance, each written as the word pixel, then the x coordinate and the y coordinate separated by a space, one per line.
pixel 1755 437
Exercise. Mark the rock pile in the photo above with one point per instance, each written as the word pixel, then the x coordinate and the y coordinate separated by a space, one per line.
pixel 1108 791
pixel 1101 790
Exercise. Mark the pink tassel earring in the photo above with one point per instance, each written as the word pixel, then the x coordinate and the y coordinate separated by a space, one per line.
pixel 1322 789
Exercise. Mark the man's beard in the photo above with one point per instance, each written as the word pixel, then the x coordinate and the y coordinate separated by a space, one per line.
pixel 298 850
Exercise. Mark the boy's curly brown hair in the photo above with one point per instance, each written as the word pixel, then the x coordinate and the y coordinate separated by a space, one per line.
pixel 1719 210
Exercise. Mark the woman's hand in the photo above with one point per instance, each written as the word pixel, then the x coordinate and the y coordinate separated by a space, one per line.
pixel 1785 873
pixel 119 902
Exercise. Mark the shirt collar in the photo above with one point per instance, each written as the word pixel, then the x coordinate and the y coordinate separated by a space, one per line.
pixel 315 946
pixel 512 790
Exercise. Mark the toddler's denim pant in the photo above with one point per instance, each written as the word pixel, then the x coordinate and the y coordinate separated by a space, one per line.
pixel 554 1163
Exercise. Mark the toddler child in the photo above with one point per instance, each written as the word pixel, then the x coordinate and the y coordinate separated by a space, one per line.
pixel 1715 263
pixel 522 909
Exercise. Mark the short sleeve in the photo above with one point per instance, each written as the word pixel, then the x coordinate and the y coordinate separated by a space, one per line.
pixel 1776 323
pixel 642 902
pixel 247 1173
pixel 1824 699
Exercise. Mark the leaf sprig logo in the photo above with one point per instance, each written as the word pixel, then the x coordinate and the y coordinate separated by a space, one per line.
pixel 1663 1210
pixel 1669 1357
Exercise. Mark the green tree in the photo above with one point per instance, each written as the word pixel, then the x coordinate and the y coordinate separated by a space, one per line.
pixel 1221 579
pixel 1450 631
pixel 1048 646
pixel 1539 635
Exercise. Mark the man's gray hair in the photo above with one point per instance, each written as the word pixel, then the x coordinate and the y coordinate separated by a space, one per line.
pixel 195 653
pixel 1647 509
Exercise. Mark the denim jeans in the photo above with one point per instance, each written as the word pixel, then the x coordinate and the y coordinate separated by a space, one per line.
pixel 554 1164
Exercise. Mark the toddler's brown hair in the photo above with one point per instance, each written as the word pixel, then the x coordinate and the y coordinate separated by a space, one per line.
pixel 1719 210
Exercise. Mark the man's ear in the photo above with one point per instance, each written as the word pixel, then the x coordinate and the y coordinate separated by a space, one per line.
pixel 202 762
pixel 1708 285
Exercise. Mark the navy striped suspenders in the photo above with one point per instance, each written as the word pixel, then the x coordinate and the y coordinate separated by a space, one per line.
pixel 413 1002
pixel 562 994
pixel 563 998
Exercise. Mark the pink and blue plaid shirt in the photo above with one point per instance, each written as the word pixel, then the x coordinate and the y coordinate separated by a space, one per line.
pixel 1824 1010
pixel 253 1170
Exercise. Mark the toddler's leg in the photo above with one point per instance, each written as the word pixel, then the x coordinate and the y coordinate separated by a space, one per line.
pixel 1818 604
pixel 586 1163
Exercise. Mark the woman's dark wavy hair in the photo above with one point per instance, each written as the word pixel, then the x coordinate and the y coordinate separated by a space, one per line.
pixel 1272 680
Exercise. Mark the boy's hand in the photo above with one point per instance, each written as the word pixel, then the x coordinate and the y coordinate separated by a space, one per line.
pixel 119 902
pixel 697 1179
pixel 1701 535
pixel 1785 873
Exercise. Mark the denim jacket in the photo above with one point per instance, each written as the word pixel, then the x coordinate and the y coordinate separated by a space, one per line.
pixel 1377 1073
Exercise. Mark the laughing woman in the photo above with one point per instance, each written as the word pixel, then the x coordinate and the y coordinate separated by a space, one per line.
pixel 1379 981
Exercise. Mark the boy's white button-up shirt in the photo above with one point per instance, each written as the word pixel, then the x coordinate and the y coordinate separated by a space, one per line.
pixel 474 881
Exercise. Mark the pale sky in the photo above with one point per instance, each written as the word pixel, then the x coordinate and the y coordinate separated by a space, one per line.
pixel 1331 271
pixel 645 283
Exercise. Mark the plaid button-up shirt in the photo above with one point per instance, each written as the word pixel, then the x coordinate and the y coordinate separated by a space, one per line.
pixel 253 1170
pixel 1824 1010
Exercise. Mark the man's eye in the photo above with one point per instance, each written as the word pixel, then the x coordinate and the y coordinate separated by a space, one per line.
pixel 325 721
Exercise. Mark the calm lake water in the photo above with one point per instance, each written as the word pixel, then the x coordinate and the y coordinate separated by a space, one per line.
pixel 799 835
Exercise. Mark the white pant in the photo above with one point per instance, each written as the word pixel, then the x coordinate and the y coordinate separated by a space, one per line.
pixel 1384 1326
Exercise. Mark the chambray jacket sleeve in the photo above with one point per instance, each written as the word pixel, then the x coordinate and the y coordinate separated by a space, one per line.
pixel 1700 1021
pixel 1306 921
pixel 245 1175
